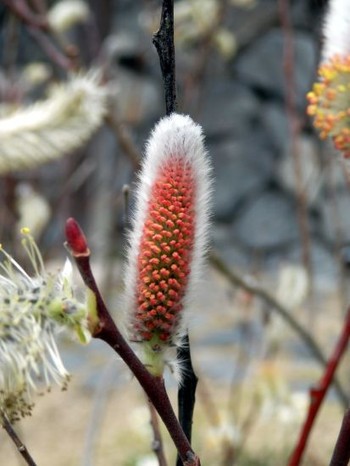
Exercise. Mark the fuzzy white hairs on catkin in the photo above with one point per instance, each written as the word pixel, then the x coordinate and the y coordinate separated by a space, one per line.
pixel 336 30
pixel 175 137
pixel 51 128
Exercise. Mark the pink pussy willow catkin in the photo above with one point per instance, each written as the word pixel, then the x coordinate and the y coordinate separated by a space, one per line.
pixel 169 238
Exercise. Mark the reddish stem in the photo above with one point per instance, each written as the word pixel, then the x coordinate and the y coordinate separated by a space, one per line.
pixel 157 444
pixel 108 332
pixel 318 393
pixel 23 12
pixel 38 26
pixel 294 130
pixel 52 52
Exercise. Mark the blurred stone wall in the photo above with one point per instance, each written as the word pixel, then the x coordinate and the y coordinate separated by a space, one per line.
pixel 233 78
pixel 239 95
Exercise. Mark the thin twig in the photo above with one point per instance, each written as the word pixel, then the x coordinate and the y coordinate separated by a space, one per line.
pixel 22 449
pixel 53 53
pixel 39 6
pixel 187 392
pixel 39 28
pixel 193 90
pixel 125 141
pixel 157 443
pixel 11 42
pixel 237 280
pixel 294 130
pixel 318 393
pixel 341 454
pixel 163 41
pixel 21 9
pixel 106 330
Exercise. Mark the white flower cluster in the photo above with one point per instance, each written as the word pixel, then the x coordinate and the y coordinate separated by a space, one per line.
pixel 33 310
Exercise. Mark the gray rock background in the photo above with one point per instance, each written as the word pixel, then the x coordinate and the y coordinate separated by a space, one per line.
pixel 240 100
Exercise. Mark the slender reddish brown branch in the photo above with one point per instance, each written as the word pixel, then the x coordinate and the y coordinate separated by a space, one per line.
pixel 39 6
pixel 53 53
pixel 38 27
pixel 318 393
pixel 341 454
pixel 108 332
pixel 294 129
pixel 251 286
pixel 21 9
pixel 124 139
pixel 157 443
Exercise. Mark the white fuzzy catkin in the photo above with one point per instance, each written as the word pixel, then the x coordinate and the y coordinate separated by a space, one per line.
pixel 336 30
pixel 174 136
pixel 51 128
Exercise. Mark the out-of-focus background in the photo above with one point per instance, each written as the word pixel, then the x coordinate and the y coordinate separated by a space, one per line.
pixel 280 222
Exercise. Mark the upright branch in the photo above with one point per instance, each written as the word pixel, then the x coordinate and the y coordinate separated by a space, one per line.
pixel 104 328
pixel 318 393
pixel 294 130
pixel 341 454
pixel 22 449
pixel 163 41
pixel 187 392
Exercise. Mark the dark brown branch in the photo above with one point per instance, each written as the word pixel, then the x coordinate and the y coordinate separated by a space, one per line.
pixel 187 391
pixel 106 330
pixel 163 41
pixel 341 454
pixel 274 305
pixel 22 449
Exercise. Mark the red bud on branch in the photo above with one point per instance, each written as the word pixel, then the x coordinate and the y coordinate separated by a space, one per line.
pixel 76 239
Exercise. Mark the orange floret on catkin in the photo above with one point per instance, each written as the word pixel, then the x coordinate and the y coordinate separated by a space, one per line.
pixel 164 259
